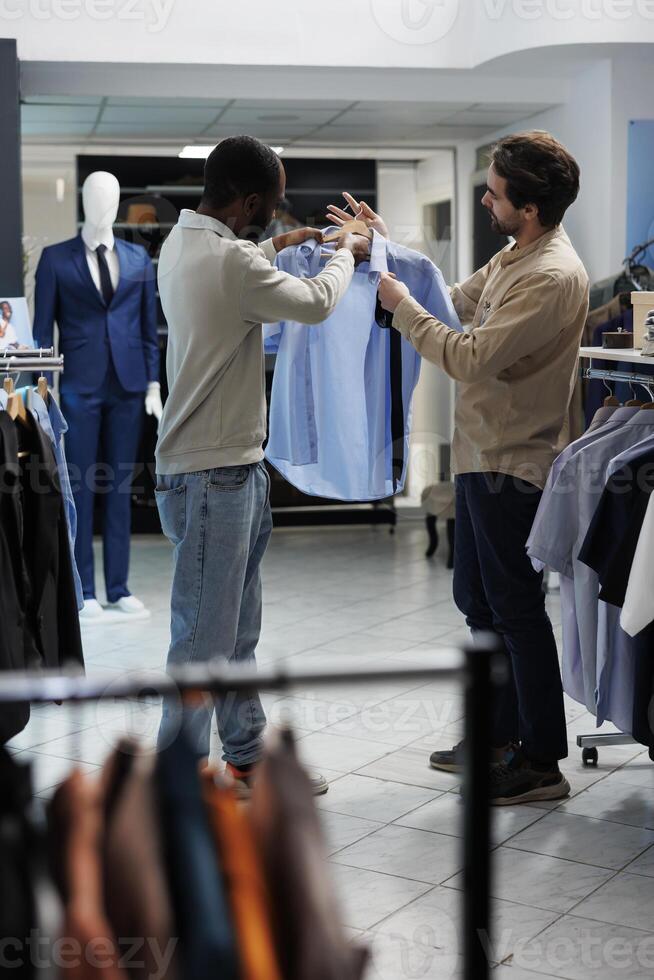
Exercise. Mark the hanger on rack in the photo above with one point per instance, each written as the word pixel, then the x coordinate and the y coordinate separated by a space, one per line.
pixel 648 389
pixel 633 402
pixel 610 401
pixel 15 404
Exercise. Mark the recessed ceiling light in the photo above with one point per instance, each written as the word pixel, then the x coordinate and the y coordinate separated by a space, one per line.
pixel 196 151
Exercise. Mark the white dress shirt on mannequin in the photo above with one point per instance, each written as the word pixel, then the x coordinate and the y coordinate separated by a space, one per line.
pixel 91 241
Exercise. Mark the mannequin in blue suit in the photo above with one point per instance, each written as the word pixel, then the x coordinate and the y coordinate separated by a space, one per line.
pixel 101 293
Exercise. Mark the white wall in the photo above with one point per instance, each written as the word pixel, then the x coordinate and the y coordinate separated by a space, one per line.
pixel 368 33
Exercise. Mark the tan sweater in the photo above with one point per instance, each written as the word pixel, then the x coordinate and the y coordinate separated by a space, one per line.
pixel 216 291
pixel 516 363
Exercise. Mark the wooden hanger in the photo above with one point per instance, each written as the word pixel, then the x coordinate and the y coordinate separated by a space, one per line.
pixel 16 407
pixel 633 401
pixel 42 388
pixel 353 227
pixel 8 385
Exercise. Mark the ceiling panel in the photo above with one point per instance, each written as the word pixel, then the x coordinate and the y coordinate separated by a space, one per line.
pixel 328 105
pixel 56 129
pixel 176 103
pixel 492 120
pixel 63 100
pixel 262 131
pixel 280 116
pixel 172 115
pixel 59 113
pixel 173 131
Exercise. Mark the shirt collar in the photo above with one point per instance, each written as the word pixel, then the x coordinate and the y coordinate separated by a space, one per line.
pixel 513 254
pixel 93 238
pixel 308 256
pixel 192 219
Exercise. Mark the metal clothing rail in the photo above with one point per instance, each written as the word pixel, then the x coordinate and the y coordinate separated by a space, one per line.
pixel 603 374
pixel 478 668
pixel 27 352
pixel 15 364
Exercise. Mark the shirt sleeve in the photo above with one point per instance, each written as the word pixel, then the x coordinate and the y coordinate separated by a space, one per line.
pixel 531 316
pixel 269 295
pixel 466 295
pixel 556 524
pixel 638 609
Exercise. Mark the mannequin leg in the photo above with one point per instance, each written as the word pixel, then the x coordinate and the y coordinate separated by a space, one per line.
pixel 432 531
pixel 83 415
pixel 121 431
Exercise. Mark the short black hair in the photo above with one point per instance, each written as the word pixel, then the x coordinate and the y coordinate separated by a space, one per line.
pixel 538 170
pixel 5 302
pixel 238 166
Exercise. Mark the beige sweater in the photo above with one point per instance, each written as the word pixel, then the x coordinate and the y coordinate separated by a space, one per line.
pixel 517 362
pixel 216 291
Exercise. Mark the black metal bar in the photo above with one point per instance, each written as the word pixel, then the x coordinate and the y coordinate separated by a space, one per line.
pixel 213 677
pixel 11 229
pixel 476 814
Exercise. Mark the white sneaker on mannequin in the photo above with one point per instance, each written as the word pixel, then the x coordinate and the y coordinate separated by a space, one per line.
pixel 91 612
pixel 128 607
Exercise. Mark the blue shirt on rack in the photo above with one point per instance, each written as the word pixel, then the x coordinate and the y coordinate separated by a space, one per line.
pixel 331 431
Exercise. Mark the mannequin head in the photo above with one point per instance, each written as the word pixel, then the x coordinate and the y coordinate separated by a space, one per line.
pixel 100 199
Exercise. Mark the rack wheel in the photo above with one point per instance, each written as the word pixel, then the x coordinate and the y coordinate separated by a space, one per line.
pixel 589 757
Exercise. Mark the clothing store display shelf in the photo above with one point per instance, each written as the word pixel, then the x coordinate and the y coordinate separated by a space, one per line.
pixel 478 668
pixel 626 355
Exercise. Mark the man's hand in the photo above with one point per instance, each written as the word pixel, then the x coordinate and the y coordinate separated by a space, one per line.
pixel 358 245
pixel 296 237
pixel 360 210
pixel 391 292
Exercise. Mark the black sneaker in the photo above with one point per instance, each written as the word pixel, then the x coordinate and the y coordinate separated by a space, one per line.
pixel 451 760
pixel 517 780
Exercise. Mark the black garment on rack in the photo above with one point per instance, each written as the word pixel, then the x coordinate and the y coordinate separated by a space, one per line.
pixel 17 900
pixel 52 605
pixel 17 650
pixel 610 544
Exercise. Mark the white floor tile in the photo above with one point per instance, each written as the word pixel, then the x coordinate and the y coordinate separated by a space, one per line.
pixel 414 854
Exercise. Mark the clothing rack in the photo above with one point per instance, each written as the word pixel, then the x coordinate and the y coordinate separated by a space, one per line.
pixel 16 363
pixel 589 744
pixel 479 668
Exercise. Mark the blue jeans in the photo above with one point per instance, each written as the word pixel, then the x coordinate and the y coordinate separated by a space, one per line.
pixel 219 522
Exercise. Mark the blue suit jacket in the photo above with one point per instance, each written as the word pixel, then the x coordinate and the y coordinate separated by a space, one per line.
pixel 90 332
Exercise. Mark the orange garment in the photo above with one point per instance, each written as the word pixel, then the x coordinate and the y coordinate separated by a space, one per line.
pixel 244 881
pixel 89 949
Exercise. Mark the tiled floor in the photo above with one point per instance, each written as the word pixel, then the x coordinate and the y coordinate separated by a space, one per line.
pixel 574 882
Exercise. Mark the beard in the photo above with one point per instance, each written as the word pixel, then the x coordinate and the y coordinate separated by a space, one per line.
pixel 508 228
pixel 258 223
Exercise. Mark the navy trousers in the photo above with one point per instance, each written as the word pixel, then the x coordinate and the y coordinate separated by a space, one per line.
pixel 497 590
pixel 101 446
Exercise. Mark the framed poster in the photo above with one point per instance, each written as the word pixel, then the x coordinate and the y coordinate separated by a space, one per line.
pixel 15 328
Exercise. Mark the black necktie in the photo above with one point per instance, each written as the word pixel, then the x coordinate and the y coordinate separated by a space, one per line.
pixel 106 288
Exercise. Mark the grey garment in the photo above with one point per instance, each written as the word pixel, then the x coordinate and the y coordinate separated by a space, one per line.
pixel 559 531
pixel 216 290
pixel 219 522
pixel 607 419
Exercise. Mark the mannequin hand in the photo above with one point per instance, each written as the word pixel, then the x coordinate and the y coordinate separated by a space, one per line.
pixel 391 292
pixel 361 211
pixel 153 404
pixel 296 237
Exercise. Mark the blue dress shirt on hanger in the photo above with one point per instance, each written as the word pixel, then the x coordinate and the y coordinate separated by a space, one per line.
pixel 331 431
